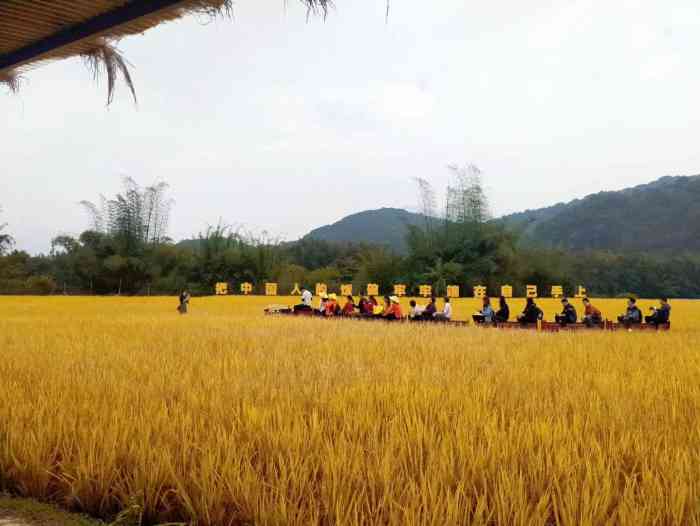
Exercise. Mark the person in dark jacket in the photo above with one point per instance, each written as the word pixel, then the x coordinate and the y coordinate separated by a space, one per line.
pixel 430 310
pixel 503 312
pixel 633 316
pixel 661 315
pixel 531 314
pixel 184 302
pixel 568 314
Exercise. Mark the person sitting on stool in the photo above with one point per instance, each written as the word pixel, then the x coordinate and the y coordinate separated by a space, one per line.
pixel 486 314
pixel 568 314
pixel 660 316
pixel 633 316
pixel 591 315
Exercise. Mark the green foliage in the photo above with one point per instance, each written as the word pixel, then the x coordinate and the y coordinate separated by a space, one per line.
pixel 328 275
pixel 286 275
pixel 386 227
pixel 462 247
pixel 6 240
pixel 378 265
pixel 134 219
pixel 663 215
pixel 40 285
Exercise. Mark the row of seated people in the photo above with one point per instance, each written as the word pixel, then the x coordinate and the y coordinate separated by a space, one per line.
pixel 592 316
pixel 369 307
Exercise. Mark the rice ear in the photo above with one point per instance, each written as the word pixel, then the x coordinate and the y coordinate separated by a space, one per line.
pixel 105 58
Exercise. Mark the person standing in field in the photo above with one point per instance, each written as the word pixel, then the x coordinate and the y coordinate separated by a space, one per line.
pixel 591 315
pixel 184 301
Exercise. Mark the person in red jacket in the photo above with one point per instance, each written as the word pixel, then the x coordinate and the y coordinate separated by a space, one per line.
pixel 394 311
pixel 591 315
pixel 332 307
pixel 349 307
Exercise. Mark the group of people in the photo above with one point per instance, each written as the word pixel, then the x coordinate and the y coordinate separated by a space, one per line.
pixel 591 316
pixel 369 307
pixel 391 309
pixel 658 316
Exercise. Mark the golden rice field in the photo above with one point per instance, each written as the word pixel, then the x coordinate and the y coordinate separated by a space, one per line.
pixel 227 417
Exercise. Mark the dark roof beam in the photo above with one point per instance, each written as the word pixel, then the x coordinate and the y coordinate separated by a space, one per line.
pixel 90 28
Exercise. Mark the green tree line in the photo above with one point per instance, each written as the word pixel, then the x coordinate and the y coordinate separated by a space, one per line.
pixel 126 250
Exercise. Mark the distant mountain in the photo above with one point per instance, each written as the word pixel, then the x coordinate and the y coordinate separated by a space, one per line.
pixel 662 215
pixel 192 244
pixel 386 226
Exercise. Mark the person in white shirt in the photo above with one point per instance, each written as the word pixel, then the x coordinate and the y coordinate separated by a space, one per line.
pixel 446 314
pixel 306 301
pixel 306 297
pixel 416 311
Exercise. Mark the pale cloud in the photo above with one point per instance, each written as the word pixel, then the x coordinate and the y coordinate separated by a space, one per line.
pixel 283 125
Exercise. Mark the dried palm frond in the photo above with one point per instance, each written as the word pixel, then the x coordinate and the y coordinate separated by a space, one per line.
pixel 212 8
pixel 317 6
pixel 105 58
pixel 11 80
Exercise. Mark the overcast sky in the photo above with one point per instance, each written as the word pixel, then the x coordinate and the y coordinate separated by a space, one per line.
pixel 283 125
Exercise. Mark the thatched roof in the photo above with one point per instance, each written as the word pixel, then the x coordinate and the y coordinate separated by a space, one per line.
pixel 36 31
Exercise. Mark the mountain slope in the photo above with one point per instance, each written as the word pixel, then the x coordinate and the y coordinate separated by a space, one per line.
pixel 662 215
pixel 386 226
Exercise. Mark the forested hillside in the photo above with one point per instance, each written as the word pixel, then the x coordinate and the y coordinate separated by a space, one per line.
pixel 662 215
pixel 387 227
pixel 126 248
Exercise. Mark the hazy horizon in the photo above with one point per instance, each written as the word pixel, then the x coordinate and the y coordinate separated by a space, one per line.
pixel 277 124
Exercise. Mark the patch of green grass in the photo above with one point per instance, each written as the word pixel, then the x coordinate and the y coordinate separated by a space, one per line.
pixel 40 514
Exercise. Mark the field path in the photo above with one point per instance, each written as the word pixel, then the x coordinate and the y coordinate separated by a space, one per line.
pixel 27 512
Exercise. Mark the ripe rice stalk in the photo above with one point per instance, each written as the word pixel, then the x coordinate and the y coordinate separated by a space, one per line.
pixel 122 408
